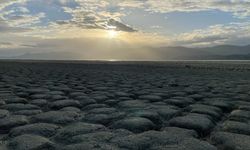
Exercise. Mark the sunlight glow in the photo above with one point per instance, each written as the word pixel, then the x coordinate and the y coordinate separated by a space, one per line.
pixel 112 34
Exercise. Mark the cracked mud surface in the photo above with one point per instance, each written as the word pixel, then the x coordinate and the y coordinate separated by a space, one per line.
pixel 124 106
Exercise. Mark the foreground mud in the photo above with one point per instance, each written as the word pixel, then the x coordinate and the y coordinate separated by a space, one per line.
pixel 124 106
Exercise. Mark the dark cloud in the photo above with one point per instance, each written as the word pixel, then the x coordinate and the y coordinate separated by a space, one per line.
pixel 6 43
pixel 28 45
pixel 120 26
pixel 92 22
pixel 62 22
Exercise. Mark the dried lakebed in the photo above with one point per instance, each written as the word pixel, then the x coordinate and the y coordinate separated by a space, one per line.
pixel 124 106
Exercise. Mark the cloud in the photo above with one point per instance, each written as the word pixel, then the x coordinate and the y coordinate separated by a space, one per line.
pixel 233 33
pixel 24 20
pixel 239 8
pixel 12 45
pixel 18 15
pixel 131 4
pixel 6 3
pixel 91 16
pixel 92 23
pixel 120 26
pixel 5 28
pixel 5 44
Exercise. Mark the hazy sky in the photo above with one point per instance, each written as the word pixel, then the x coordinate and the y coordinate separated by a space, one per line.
pixel 98 27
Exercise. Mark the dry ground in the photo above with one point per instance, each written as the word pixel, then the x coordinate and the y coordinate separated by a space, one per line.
pixel 124 105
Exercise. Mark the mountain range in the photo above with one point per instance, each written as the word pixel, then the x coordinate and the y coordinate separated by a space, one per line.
pixel 230 52
pixel 221 52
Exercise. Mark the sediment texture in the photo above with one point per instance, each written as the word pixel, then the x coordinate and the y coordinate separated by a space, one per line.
pixel 124 106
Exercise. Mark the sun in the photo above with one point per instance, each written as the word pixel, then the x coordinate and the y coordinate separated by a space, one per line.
pixel 112 34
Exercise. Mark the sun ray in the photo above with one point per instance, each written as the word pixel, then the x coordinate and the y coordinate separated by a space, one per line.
pixel 112 34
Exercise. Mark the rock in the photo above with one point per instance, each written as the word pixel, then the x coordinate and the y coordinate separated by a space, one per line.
pixel 132 104
pixel 122 94
pixel 216 109
pixel 10 122
pixel 31 142
pixel 167 113
pixel 71 109
pixel 56 97
pixel 224 104
pixel 180 131
pixel 120 99
pixel 39 102
pixel 42 129
pixel 27 112
pixel 22 94
pixel 179 93
pixel 55 93
pixel 179 101
pixel 100 88
pixel 171 139
pixel 93 106
pixel 37 90
pixel 134 124
pixel 149 114
pixel 16 100
pixel 100 136
pixel 104 119
pixel 3 113
pixel 231 141
pixel 39 96
pixel 2 102
pixel 76 94
pixel 58 117
pixel 100 98
pixel 208 112
pixel 3 146
pixel 236 127
pixel 111 102
pixel 90 146
pixel 196 97
pixel 244 107
pixel 240 115
pixel 84 101
pixel 200 123
pixel 212 111
pixel 64 103
pixel 187 144
pixel 102 110
pixel 152 98
pixel 19 106
pixel 66 133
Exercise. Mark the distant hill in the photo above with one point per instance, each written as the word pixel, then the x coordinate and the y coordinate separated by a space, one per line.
pixel 222 52
pixel 227 50
pixel 217 52
pixel 48 56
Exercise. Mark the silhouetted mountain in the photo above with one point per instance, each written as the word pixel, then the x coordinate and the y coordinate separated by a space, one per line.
pixel 227 50
pixel 233 57
pixel 166 53
pixel 48 56
pixel 222 52
pixel 217 52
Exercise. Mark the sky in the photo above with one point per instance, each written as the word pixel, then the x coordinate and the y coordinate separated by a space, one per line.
pixel 94 28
